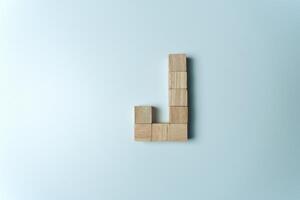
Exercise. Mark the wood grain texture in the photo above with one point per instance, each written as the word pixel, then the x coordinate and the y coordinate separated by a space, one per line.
pixel 177 63
pixel 178 132
pixel 178 115
pixel 143 114
pixel 160 132
pixel 178 97
pixel 177 79
pixel 142 132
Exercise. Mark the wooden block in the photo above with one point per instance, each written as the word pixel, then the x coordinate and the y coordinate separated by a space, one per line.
pixel 142 132
pixel 177 79
pixel 177 62
pixel 143 114
pixel 178 132
pixel 160 132
pixel 178 115
pixel 178 97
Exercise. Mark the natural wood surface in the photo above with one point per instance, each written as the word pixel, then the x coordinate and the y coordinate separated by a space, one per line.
pixel 143 114
pixel 142 132
pixel 160 132
pixel 177 63
pixel 177 79
pixel 178 97
pixel 178 115
pixel 178 132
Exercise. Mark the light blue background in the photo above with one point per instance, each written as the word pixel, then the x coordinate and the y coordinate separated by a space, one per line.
pixel 72 71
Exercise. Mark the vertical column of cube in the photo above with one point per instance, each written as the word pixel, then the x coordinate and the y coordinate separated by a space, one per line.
pixel 178 98
pixel 143 123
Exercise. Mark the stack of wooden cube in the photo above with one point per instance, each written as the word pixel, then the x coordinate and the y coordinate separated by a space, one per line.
pixel 177 128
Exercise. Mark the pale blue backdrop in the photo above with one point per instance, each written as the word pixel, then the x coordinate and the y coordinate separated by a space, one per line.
pixel 71 72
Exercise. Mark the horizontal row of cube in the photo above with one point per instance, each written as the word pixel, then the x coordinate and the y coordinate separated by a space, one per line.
pixel 161 132
pixel 177 114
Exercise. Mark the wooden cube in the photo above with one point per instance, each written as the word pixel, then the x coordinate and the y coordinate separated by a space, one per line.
pixel 160 132
pixel 178 132
pixel 177 63
pixel 178 115
pixel 178 97
pixel 142 132
pixel 177 79
pixel 143 114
